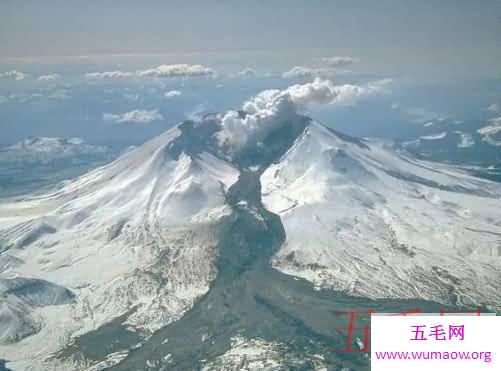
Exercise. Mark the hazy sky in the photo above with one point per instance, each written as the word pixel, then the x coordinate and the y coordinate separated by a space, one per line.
pixel 390 36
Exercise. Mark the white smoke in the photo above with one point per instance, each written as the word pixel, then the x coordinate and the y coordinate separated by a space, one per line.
pixel 163 71
pixel 269 109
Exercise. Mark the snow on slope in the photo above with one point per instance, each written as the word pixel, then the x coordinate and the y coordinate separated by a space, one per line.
pixel 441 135
pixel 259 355
pixel 492 132
pixel 364 219
pixel 138 234
pixel 19 298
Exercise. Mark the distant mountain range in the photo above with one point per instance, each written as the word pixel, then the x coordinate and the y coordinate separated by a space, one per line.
pixel 40 161
pixel 46 149
pixel 477 149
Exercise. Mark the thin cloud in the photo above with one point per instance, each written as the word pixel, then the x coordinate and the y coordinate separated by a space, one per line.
pixel 337 62
pixel 161 71
pixel 135 116
pixel 172 94
pixel 494 107
pixel 421 115
pixel 109 75
pixel 13 74
pixel 324 67
pixel 50 77
pixel 60 94
pixel 307 72
pixel 247 72
pixel 176 70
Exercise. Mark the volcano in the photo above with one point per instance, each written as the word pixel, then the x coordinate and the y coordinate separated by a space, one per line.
pixel 233 242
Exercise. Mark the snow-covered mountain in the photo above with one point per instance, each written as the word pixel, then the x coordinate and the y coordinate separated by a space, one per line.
pixel 492 132
pixel 196 212
pixel 363 219
pixel 473 145
pixel 136 236
pixel 38 162
pixel 47 149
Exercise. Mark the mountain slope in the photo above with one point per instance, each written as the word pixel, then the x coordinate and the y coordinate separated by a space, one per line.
pixel 368 221
pixel 135 236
